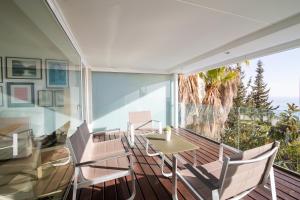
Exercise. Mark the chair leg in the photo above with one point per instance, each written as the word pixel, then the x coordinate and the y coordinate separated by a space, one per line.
pixel 133 189
pixel 131 136
pixel 75 183
pixel 272 183
pixel 215 195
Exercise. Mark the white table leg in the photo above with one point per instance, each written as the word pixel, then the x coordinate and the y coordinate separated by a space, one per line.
pixel 162 167
pixel 147 150
pixel 174 178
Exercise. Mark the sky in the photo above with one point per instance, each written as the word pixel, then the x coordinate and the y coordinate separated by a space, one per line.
pixel 282 73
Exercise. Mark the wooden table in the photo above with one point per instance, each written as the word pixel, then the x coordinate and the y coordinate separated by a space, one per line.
pixel 176 145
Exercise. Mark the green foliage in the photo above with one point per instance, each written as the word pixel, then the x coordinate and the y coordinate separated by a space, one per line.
pixel 251 132
pixel 260 94
pixel 287 128
pixel 218 76
pixel 247 134
pixel 288 156
pixel 249 123
pixel 238 101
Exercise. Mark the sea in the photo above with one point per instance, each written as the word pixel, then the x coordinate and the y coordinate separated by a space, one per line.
pixel 282 102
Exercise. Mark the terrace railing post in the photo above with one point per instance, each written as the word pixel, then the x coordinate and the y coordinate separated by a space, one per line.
pixel 238 127
pixel 175 77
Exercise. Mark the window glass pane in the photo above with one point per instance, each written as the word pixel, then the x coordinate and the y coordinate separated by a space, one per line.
pixel 40 100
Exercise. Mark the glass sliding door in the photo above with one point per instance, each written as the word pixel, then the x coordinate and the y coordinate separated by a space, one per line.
pixel 40 101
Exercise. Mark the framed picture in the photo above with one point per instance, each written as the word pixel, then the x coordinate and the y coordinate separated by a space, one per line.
pixel 1 96
pixel 57 74
pixel 20 94
pixel 1 71
pixel 23 68
pixel 59 98
pixel 45 98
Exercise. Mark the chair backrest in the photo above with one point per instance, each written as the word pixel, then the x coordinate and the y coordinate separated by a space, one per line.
pixel 246 170
pixel 76 145
pixel 140 119
pixel 84 130
pixel 64 128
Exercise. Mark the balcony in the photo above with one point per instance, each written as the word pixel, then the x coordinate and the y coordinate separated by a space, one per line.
pixel 63 63
pixel 151 184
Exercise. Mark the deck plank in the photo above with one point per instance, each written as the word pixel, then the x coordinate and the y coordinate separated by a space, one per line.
pixel 151 184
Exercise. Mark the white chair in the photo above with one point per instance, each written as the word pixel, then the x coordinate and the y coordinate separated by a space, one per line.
pixel 141 123
pixel 99 162
pixel 85 132
pixel 232 177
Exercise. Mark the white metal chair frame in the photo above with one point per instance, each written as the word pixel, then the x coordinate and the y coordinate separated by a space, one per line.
pixel 131 132
pixel 217 191
pixel 80 181
pixel 101 132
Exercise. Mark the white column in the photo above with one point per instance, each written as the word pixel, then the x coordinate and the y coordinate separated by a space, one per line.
pixel 175 81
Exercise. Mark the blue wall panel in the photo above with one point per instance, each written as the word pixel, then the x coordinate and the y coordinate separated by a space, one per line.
pixel 116 94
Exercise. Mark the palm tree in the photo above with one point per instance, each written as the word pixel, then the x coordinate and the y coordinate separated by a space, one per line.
pixel 189 98
pixel 220 88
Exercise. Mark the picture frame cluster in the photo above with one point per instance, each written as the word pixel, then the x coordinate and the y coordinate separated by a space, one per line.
pixel 21 93
pixel 51 98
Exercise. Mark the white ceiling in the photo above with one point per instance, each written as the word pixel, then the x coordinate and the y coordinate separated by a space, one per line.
pixel 164 36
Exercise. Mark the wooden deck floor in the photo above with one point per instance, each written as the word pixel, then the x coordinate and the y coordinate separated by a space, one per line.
pixel 151 184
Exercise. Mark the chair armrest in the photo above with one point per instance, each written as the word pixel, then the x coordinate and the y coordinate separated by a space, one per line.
pixel 129 126
pixel 221 150
pixel 109 157
pixel 159 125
pixel 157 121
pixel 201 177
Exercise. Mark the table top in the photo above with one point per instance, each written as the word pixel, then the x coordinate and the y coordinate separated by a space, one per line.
pixel 177 144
